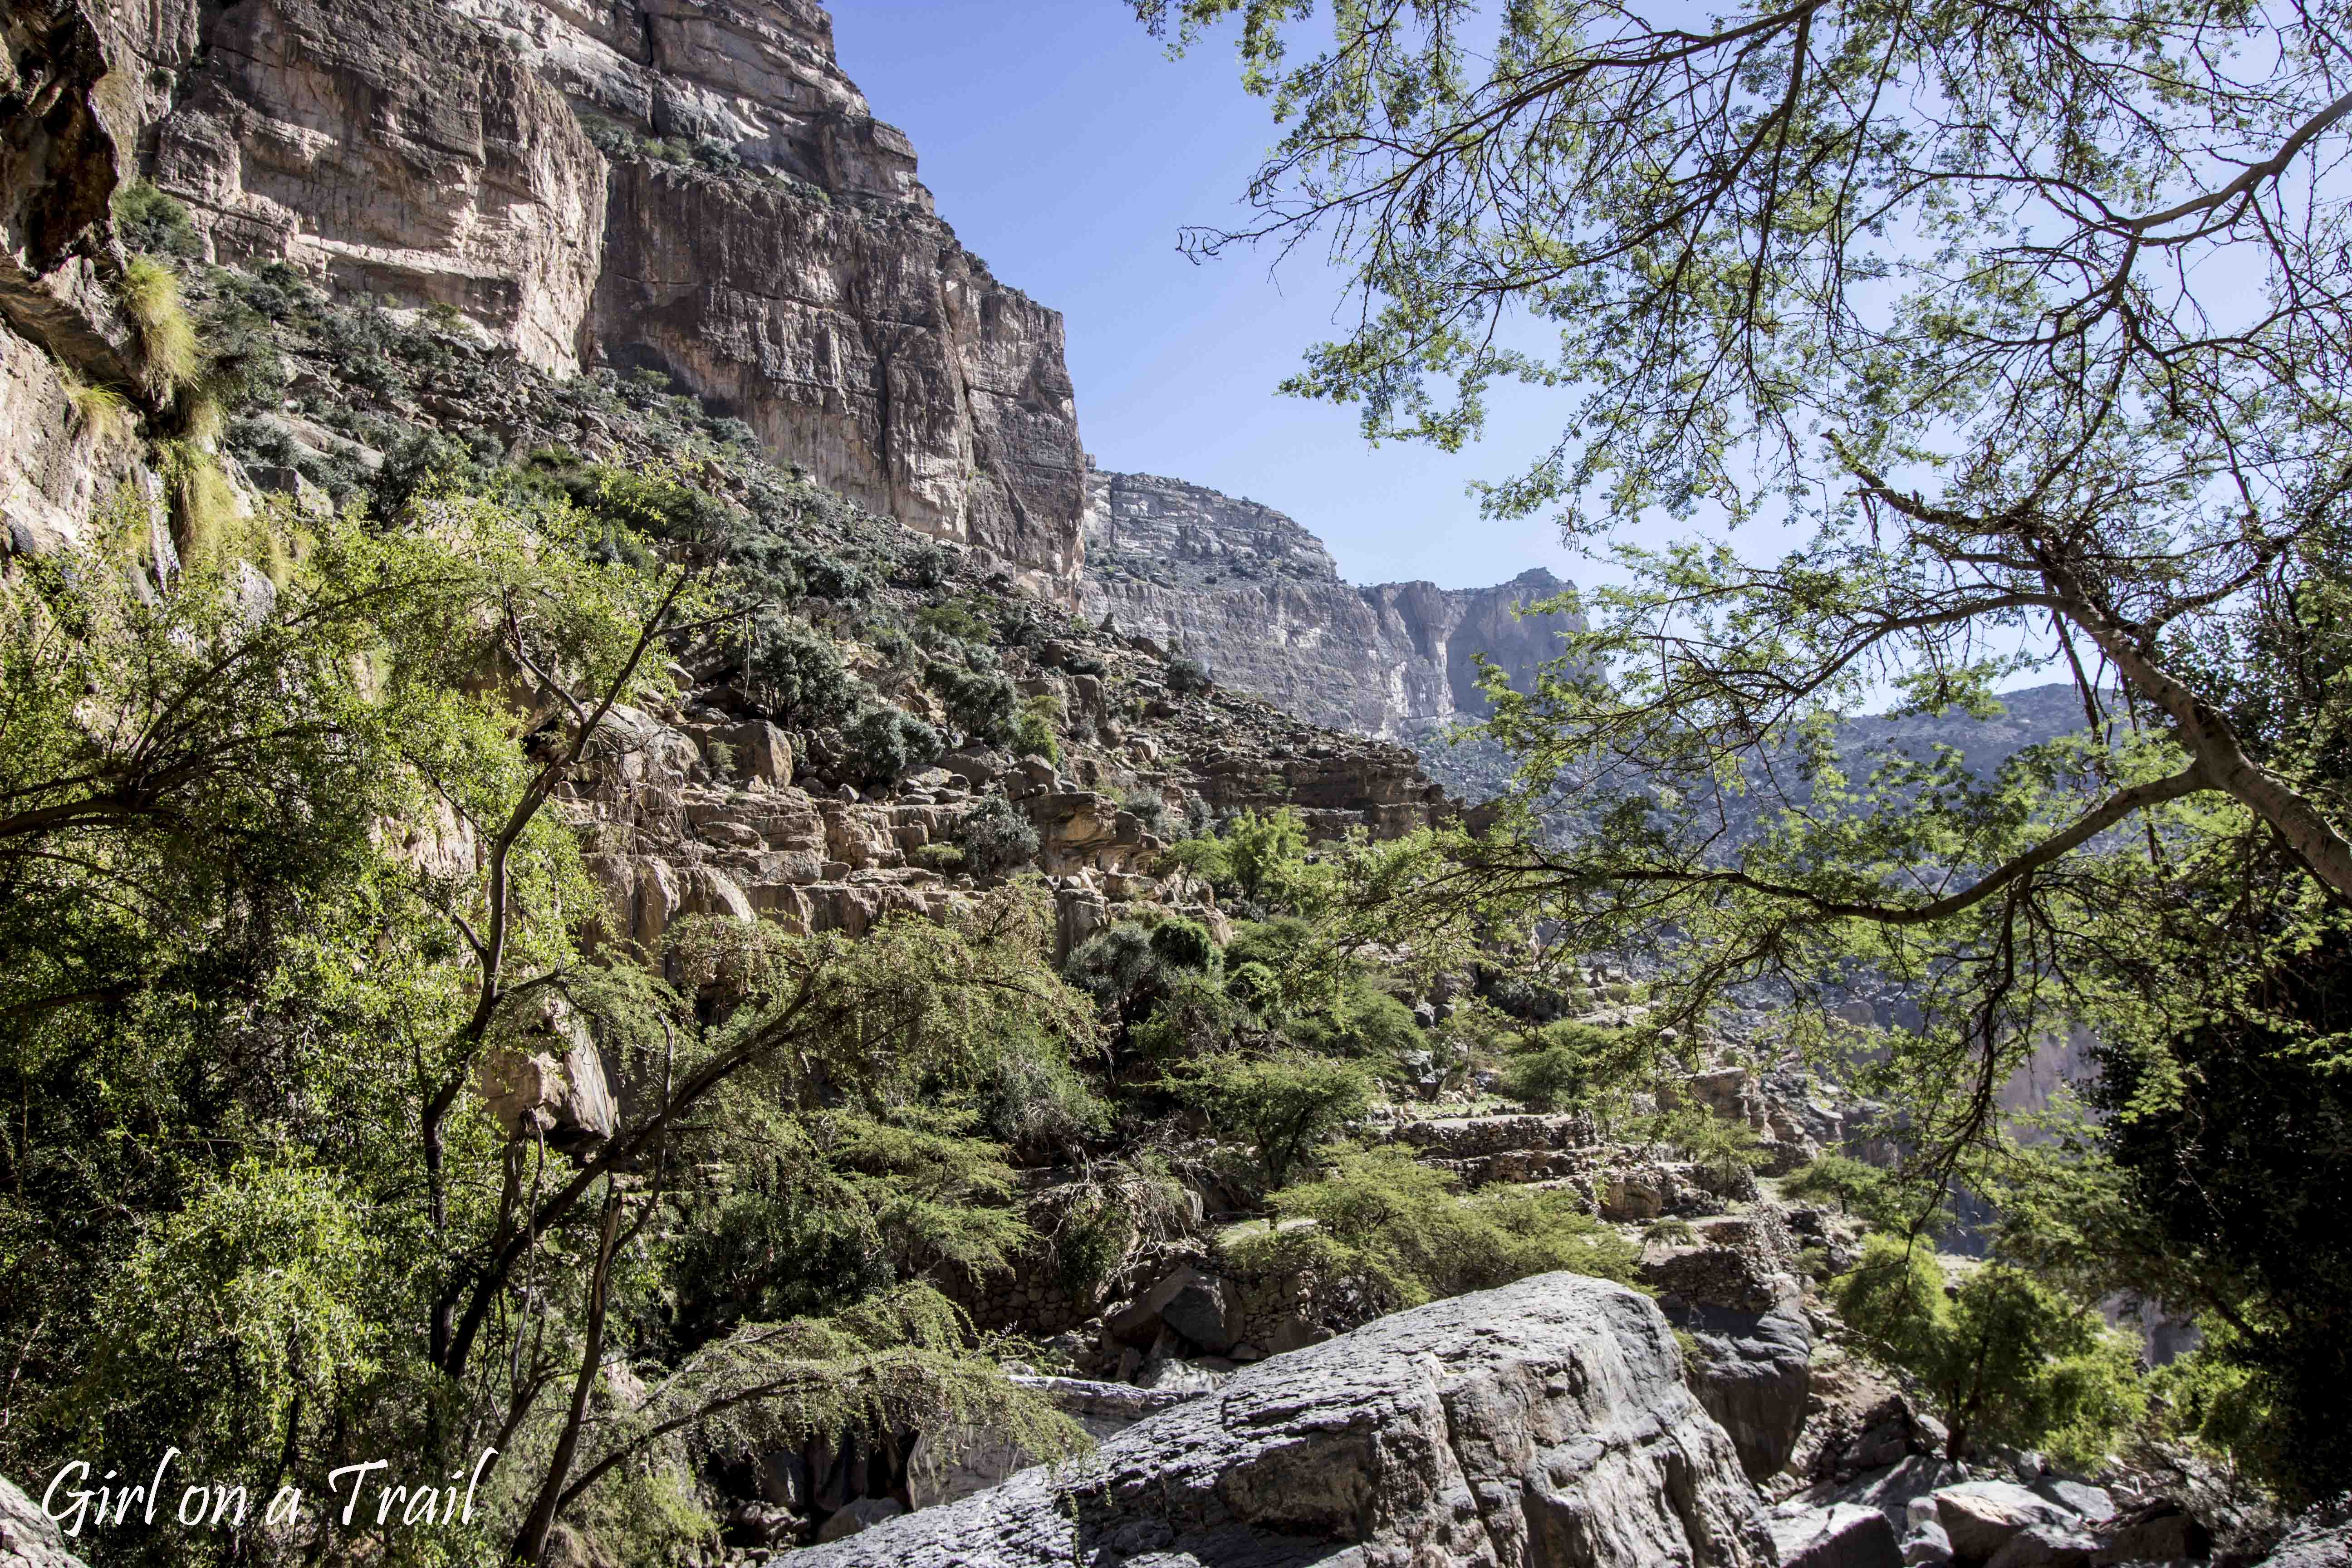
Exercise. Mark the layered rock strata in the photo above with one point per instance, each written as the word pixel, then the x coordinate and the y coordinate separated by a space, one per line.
pixel 680 185
pixel 1259 600
pixel 1543 1424
pixel 415 157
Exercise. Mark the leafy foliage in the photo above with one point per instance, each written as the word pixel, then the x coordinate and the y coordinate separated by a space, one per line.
pixel 1284 1105
pixel 996 838
pixel 1393 1230
pixel 2006 1359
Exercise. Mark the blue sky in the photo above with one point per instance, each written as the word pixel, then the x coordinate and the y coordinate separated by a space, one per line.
pixel 1067 150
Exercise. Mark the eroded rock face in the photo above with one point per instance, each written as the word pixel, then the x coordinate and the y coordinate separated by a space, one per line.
pixel 814 293
pixel 415 157
pixel 1543 1424
pixel 864 342
pixel 1258 599
pixel 59 314
pixel 795 275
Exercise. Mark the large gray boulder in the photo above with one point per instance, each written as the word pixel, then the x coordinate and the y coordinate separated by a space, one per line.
pixel 2321 1538
pixel 1843 1535
pixel 1543 1424
pixel 27 1537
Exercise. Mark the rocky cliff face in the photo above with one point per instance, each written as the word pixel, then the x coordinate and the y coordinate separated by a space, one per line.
pixel 1259 600
pixel 683 185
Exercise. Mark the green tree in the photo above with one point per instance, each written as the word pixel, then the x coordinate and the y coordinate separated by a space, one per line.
pixel 2006 1359
pixel 2027 323
pixel 294 891
pixel 1284 1105
pixel 1266 853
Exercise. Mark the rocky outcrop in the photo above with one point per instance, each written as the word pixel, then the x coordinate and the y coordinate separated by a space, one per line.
pixel 684 185
pixel 29 1539
pixel 863 342
pixel 1258 599
pixel 414 158
pixel 1543 1424
pixel 60 326
pixel 797 276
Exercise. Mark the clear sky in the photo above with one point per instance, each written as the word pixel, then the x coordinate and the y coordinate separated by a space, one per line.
pixel 1067 150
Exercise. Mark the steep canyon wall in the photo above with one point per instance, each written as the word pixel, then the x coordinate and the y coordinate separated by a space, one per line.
pixel 688 185
pixel 1259 600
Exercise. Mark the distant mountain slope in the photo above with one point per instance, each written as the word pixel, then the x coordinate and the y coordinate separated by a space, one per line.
pixel 1259 600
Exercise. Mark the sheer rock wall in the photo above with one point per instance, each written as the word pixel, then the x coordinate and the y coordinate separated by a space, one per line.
pixel 688 185
pixel 1259 600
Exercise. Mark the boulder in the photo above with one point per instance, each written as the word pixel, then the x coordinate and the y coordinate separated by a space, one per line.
pixel 2159 1532
pixel 28 1538
pixel 1751 1347
pixel 2320 1539
pixel 863 1514
pixel 1927 1546
pixel 2045 1546
pixel 544 1076
pixel 1981 1516
pixel 1749 1370
pixel 1843 1535
pixel 2078 1497
pixel 761 752
pixel 1542 1424
pixel 951 1463
pixel 1893 1489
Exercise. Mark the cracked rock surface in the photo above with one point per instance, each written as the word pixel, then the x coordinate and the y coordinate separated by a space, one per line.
pixel 1545 1424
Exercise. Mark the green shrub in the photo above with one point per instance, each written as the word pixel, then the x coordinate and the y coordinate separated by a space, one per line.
pixel 205 520
pixel 980 703
pixel 1092 1225
pixel 830 578
pixel 1268 851
pixel 995 838
pixel 885 744
pixel 1721 1144
pixel 658 505
pixel 1187 676
pixel 101 413
pixel 1569 1065
pixel 151 295
pixel 1210 859
pixel 1035 728
pixel 1392 1229
pixel 1855 1188
pixel 1284 1106
pixel 2005 1358
pixel 1184 944
pixel 1253 985
pixel 1148 806
pixel 1362 1021
pixel 955 620
pixel 1277 944
pixel 152 224
pixel 796 673
pixel 1194 1016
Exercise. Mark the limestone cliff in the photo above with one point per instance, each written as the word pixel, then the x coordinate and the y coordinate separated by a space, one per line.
pixel 1259 600
pixel 684 185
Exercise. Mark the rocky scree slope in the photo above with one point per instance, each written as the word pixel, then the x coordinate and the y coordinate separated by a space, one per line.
pixel 682 184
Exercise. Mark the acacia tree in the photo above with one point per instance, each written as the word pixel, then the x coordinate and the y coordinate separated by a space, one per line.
pixel 2033 314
